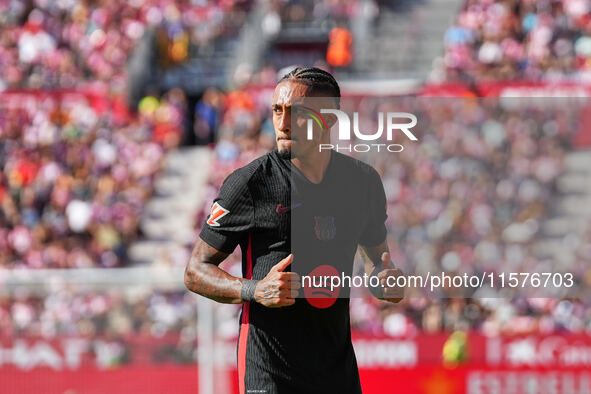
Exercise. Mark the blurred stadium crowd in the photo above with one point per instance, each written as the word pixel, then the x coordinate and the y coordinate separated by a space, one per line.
pixel 471 197
pixel 509 40
pixel 113 316
pixel 74 182
pixel 61 44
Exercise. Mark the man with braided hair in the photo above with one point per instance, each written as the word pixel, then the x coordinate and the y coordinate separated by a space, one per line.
pixel 291 345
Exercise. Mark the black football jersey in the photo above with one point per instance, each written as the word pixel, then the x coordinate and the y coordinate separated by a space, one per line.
pixel 271 210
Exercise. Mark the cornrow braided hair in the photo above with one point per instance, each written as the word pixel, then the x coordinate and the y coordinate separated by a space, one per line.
pixel 319 80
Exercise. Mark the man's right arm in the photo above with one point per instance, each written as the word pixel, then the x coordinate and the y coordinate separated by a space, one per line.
pixel 204 276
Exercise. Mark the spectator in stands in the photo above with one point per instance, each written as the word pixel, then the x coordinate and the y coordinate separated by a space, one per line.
pixel 207 116
pixel 339 52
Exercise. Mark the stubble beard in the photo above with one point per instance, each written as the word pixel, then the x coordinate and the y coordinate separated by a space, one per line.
pixel 286 154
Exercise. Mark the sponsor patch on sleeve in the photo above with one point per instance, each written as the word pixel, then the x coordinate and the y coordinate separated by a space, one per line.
pixel 217 212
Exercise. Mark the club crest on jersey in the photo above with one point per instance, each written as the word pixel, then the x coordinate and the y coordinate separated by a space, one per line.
pixel 324 227
pixel 217 212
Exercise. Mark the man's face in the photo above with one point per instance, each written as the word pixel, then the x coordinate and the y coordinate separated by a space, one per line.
pixel 290 128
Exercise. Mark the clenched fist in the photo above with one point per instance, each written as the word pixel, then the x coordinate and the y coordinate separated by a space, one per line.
pixel 278 288
pixel 391 293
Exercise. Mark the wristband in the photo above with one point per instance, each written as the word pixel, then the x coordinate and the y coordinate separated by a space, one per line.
pixel 248 288
pixel 377 291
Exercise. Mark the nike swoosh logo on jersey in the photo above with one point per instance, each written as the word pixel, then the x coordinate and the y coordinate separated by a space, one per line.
pixel 281 210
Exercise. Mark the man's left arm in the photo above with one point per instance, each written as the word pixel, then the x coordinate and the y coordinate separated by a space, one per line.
pixel 377 262
pixel 374 246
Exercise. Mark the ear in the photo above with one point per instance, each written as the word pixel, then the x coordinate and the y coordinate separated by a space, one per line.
pixel 331 119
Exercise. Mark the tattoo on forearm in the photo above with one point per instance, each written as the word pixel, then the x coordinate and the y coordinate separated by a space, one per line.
pixel 203 276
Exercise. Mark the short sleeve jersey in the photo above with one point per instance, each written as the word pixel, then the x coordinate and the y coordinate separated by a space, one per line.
pixel 270 209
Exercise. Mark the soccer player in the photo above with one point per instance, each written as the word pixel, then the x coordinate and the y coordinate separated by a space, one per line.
pixel 290 344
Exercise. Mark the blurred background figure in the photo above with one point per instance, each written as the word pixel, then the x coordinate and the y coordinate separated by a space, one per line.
pixel 339 47
pixel 455 349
